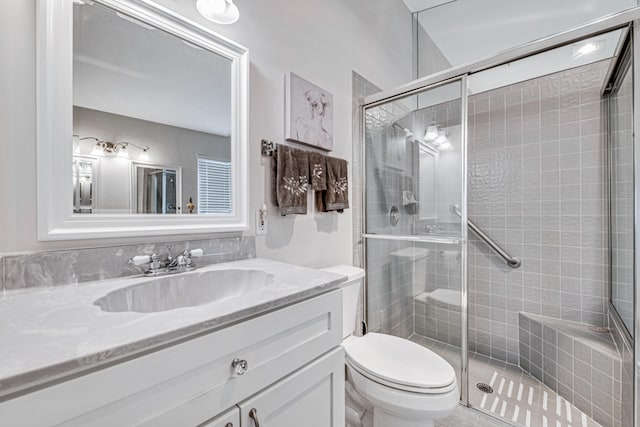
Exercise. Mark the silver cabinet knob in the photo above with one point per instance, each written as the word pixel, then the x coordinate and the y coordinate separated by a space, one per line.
pixel 239 366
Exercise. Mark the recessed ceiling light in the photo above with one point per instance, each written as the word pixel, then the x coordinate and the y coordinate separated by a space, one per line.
pixel 586 49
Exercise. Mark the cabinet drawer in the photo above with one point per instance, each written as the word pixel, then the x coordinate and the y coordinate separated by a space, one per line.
pixel 191 381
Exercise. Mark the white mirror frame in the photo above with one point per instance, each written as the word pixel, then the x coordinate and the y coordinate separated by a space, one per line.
pixel 56 220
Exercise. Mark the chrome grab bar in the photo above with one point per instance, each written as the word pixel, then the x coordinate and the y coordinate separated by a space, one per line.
pixel 512 262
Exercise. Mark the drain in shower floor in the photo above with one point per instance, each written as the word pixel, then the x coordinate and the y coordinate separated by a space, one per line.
pixel 485 388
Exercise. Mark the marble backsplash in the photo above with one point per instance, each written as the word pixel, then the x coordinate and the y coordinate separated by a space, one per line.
pixel 63 267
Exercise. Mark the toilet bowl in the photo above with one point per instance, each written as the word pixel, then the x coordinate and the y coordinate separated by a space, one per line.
pixel 391 381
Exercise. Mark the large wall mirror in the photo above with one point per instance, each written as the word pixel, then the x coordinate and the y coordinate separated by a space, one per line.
pixel 148 110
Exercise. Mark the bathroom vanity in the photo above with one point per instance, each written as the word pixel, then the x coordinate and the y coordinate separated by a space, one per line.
pixel 267 356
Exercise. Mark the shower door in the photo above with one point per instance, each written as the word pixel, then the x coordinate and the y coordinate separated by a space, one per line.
pixel 415 203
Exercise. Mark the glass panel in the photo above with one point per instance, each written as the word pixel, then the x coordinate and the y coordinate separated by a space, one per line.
pixel 465 31
pixel 414 292
pixel 537 185
pixel 621 140
pixel 413 164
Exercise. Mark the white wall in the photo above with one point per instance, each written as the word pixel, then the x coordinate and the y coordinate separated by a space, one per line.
pixel 323 41
pixel 431 60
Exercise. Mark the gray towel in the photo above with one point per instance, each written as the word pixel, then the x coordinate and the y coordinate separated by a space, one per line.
pixel 290 180
pixel 318 171
pixel 336 196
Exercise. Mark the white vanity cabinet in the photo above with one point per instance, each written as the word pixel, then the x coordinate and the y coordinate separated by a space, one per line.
pixel 294 377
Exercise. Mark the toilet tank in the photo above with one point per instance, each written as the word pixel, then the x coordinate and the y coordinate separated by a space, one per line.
pixel 350 292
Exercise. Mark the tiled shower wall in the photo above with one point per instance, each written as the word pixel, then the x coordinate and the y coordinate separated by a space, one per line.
pixel 537 186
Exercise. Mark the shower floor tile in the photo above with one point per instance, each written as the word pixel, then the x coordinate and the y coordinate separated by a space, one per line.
pixel 517 397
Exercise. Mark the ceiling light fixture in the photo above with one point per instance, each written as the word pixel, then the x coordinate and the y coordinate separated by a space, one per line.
pixel 446 145
pixel 432 132
pixel 441 138
pixel 218 11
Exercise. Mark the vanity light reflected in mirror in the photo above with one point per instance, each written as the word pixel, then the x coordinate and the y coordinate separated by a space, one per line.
pixel 107 147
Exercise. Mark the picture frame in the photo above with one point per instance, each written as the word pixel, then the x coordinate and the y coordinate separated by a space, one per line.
pixel 308 113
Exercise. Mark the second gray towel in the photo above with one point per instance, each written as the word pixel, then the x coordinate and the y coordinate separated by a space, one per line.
pixel 291 173
pixel 336 196
pixel 318 171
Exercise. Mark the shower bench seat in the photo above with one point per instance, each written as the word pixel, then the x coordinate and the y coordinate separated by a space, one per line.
pixel 578 361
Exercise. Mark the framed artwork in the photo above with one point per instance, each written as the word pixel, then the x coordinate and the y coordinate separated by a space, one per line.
pixel 309 113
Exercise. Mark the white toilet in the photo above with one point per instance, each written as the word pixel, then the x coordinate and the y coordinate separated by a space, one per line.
pixel 391 381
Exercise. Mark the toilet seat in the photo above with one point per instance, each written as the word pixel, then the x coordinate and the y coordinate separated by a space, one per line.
pixel 401 364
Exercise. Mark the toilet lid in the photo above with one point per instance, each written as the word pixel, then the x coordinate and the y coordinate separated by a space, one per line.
pixel 399 361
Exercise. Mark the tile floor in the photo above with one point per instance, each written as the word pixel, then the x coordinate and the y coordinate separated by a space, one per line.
pixel 518 398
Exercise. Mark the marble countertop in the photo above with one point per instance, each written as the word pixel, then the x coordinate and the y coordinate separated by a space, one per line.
pixel 48 334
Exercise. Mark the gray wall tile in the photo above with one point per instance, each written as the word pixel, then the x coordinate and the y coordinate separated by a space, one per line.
pixel 542 197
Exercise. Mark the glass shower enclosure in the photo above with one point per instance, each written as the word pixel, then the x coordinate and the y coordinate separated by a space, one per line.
pixel 499 225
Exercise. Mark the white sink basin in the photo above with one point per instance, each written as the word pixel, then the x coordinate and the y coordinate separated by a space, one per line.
pixel 184 290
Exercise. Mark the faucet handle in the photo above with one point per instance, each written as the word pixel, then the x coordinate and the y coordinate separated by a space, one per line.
pixel 193 253
pixel 140 260
pixel 196 253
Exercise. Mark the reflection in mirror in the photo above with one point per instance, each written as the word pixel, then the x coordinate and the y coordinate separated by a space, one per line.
pixel 144 99
pixel 83 184
pixel 156 189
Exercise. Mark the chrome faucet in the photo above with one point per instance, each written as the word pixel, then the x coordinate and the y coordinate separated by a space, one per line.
pixel 170 265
